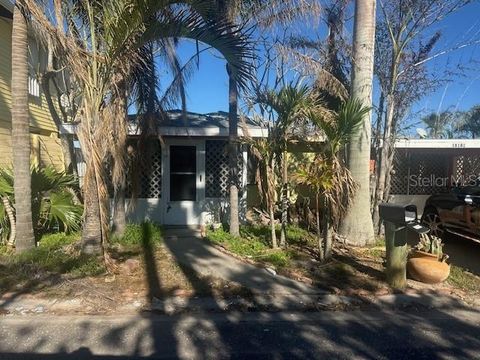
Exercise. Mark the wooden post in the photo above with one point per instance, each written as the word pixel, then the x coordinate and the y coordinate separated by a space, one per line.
pixel 396 248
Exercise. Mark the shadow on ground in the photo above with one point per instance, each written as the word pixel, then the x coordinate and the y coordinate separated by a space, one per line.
pixel 425 333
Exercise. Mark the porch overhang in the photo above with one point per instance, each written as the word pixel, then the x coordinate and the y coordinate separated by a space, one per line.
pixel 196 125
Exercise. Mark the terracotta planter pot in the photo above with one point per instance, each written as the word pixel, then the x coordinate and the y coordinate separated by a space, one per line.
pixel 428 270
pixel 423 255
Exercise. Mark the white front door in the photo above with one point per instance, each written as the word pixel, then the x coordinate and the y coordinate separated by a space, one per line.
pixel 184 181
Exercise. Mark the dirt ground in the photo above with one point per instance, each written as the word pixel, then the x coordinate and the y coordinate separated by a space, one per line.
pixel 142 278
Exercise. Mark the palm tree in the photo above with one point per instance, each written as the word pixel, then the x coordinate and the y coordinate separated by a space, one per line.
pixel 357 226
pixel 327 174
pixel 471 122
pixel 101 45
pixel 21 131
pixel 265 176
pixel 438 124
pixel 292 105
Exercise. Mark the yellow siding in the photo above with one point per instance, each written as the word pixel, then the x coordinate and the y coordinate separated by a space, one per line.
pixel 46 149
pixel 5 145
pixel 39 114
pixel 51 152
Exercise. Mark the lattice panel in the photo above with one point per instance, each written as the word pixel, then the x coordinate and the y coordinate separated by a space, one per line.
pixel 399 179
pixel 217 168
pixel 146 172
pixel 420 173
pixel 467 169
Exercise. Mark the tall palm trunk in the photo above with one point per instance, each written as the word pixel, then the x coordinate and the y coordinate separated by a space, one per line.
pixel 319 229
pixel 11 219
pixel 92 226
pixel 233 152
pixel 119 215
pixel 283 231
pixel 21 132
pixel 357 227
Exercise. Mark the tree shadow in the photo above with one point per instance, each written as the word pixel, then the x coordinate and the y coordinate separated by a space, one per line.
pixel 424 332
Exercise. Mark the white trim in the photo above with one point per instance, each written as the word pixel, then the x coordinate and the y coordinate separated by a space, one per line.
pixel 211 131
pixel 438 144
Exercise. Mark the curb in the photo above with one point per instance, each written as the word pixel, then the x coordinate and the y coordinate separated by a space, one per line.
pixel 259 303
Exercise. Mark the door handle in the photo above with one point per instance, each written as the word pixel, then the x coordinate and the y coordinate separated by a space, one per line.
pixel 168 207
pixel 200 177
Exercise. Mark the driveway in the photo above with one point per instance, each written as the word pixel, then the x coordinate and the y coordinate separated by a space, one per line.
pixel 463 252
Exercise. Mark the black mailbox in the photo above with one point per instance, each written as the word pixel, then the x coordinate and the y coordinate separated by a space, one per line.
pixel 398 214
pixel 402 215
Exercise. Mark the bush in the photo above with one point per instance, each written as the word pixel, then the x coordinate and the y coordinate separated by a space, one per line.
pixel 50 256
pixel 54 205
pixel 135 233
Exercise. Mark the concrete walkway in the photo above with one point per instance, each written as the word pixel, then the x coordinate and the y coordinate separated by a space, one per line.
pixel 189 249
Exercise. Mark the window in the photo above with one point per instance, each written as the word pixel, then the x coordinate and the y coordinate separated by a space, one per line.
pixel 33 86
pixel 183 173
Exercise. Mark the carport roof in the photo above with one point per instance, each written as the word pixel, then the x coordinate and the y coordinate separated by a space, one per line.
pixel 437 144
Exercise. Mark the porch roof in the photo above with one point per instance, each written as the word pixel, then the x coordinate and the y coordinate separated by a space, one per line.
pixel 210 125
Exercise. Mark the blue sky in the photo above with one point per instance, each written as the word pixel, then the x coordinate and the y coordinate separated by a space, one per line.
pixel 208 89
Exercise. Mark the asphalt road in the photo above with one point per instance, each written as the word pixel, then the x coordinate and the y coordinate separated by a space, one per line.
pixel 413 334
pixel 463 252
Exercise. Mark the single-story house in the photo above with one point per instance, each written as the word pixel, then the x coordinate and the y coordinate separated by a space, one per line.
pixel 186 179
pixel 423 167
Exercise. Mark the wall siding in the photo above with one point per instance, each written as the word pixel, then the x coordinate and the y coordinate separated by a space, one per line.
pixel 38 109
pixel 44 131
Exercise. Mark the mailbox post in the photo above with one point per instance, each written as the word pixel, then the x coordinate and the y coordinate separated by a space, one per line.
pixel 398 220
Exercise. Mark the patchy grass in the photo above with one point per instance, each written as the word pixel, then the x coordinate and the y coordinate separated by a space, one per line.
pixel 252 243
pixel 299 259
pixel 54 256
pixel 135 234
pixel 464 280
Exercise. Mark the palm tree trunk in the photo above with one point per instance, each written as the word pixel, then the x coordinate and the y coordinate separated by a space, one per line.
pixel 119 216
pixel 92 227
pixel 283 231
pixel 21 132
pixel 357 227
pixel 11 219
pixel 327 232
pixel 233 152
pixel 272 226
pixel 319 230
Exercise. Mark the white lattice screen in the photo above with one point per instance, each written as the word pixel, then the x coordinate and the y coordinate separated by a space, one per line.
pixel 146 172
pixel 217 169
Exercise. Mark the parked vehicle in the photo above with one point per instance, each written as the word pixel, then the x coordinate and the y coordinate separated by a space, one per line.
pixel 456 212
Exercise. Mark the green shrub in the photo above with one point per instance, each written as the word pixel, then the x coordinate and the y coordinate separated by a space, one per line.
pixel 57 240
pixel 135 234
pixel 54 206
